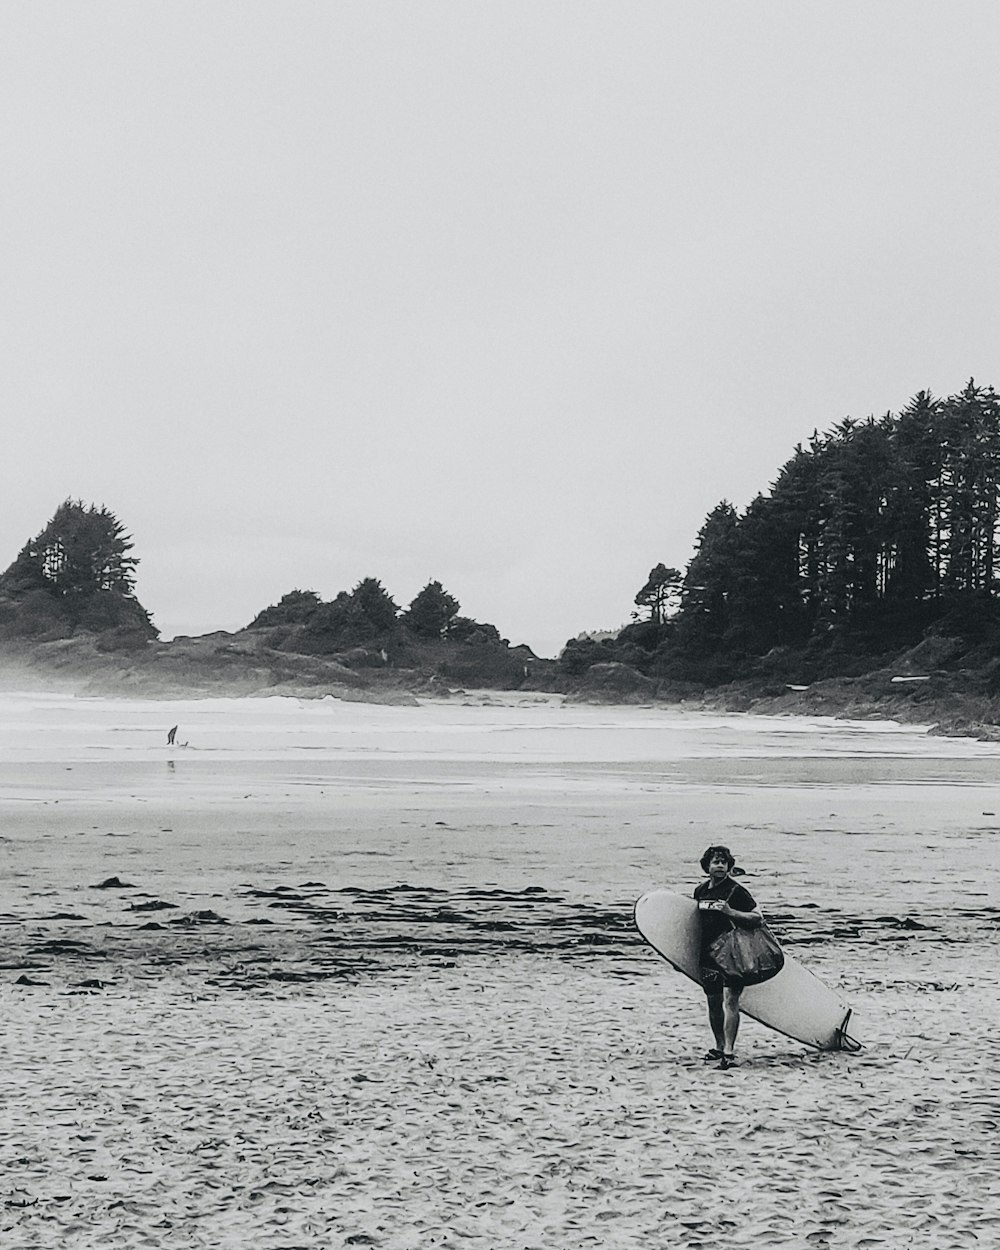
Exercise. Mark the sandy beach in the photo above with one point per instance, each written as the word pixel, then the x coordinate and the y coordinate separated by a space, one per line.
pixel 336 974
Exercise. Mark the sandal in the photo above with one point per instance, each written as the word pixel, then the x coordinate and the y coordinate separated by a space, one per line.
pixel 712 1055
pixel 727 1062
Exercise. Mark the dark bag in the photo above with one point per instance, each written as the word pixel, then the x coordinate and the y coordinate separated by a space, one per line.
pixel 748 955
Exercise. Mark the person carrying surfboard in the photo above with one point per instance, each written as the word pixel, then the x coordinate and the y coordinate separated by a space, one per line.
pixel 721 902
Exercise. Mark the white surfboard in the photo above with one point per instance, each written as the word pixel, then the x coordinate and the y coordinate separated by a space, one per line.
pixel 794 1002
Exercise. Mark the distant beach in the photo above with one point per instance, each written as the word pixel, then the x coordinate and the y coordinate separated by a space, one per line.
pixel 325 974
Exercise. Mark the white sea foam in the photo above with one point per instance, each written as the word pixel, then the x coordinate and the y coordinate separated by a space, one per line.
pixel 60 728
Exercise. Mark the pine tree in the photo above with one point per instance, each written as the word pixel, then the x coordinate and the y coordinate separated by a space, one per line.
pixel 710 580
pixel 80 564
pixel 432 611
pixel 294 608
pixel 970 428
pixel 914 519
pixel 659 593
pixel 376 604
pixel 80 552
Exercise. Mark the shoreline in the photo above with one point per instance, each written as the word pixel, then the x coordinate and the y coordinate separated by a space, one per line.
pixel 940 714
pixel 951 704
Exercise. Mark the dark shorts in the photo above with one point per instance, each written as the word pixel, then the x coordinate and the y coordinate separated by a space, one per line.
pixel 714 980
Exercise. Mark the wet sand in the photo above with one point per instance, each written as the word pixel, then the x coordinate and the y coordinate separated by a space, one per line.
pixel 385 992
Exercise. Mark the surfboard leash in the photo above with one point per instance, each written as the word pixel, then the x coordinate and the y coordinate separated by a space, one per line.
pixel 844 1039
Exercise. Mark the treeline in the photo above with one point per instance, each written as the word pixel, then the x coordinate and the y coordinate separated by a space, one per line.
pixel 871 533
pixel 366 616
pixel 77 577
pixel 76 574
pixel 366 628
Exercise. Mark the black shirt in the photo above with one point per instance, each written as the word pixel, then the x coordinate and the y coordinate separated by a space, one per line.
pixel 713 923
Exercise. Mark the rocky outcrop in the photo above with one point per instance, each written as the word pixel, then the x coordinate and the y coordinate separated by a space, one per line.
pixel 247 664
pixel 613 682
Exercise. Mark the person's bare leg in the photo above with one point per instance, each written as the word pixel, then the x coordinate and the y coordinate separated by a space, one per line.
pixel 731 1019
pixel 717 1019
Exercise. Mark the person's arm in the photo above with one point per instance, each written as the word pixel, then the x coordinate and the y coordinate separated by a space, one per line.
pixel 747 916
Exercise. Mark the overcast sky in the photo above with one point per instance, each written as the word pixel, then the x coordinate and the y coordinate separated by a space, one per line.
pixel 507 295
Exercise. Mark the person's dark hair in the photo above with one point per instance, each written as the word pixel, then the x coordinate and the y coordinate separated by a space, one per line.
pixel 710 854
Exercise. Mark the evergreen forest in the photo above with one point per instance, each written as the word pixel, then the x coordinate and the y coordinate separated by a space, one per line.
pixel 871 535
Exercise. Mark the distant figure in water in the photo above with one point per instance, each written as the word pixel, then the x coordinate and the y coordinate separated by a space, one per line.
pixel 721 900
pixel 171 735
